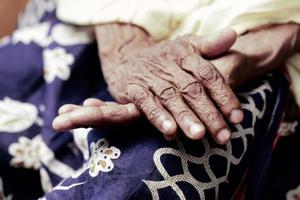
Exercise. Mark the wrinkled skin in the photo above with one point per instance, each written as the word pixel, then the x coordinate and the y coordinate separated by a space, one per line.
pixel 246 60
pixel 258 52
pixel 172 84
pixel 170 81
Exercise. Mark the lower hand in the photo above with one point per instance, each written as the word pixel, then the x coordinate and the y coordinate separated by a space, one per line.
pixel 95 113
pixel 252 55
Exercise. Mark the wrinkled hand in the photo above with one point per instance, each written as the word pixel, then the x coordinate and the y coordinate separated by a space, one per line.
pixel 173 85
pixel 252 55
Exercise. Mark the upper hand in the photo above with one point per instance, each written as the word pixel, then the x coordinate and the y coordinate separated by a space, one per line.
pixel 173 85
pixel 247 59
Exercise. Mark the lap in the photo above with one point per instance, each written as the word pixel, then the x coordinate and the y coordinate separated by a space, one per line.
pixel 137 162
pixel 124 163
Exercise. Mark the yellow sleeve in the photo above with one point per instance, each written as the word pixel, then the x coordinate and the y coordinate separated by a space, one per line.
pixel 159 17
pixel 241 15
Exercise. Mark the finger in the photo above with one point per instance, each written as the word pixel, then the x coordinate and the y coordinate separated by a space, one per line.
pixel 171 99
pixel 215 44
pixel 111 103
pixel 195 96
pixel 67 108
pixel 93 102
pixel 96 116
pixel 201 104
pixel 98 102
pixel 216 86
pixel 153 110
pixel 219 43
pixel 234 68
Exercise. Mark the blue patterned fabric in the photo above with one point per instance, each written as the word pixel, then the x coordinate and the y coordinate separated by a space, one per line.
pixel 46 63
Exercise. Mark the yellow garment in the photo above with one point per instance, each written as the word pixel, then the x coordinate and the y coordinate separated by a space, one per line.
pixel 159 17
pixel 168 19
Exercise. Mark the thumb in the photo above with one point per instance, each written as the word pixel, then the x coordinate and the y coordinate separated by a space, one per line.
pixel 217 44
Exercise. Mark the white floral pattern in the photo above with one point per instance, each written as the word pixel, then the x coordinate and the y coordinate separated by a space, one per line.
pixel 16 116
pixel 45 180
pixel 80 137
pixel 57 63
pixel 34 12
pixel 43 36
pixel 25 153
pixel 70 35
pixel 37 34
pixel 101 158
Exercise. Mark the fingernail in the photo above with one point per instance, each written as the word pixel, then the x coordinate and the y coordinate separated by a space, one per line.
pixel 236 116
pixel 58 122
pixel 167 125
pixel 223 136
pixel 196 131
pixel 66 108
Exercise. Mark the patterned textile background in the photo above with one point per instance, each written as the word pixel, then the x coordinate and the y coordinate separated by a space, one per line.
pixel 46 63
pixel 283 180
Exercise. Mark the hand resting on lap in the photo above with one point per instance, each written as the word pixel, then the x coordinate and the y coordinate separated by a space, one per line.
pixel 247 59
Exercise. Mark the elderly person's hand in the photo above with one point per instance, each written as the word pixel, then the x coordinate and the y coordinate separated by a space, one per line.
pixel 253 54
pixel 97 114
pixel 170 81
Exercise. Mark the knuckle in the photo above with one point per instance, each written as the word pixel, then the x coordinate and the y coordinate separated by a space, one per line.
pixel 192 90
pixel 168 94
pixel 138 95
pixel 222 94
pixel 209 114
pixel 208 74
pixel 164 50
pixel 213 117
pixel 153 112
pixel 180 49
pixel 213 80
pixel 182 114
pixel 214 120
pixel 225 98
pixel 112 113
pixel 97 114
